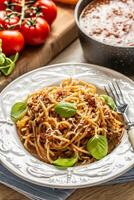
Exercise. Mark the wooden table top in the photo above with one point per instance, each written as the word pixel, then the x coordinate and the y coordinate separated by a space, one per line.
pixel 59 38
pixel 114 192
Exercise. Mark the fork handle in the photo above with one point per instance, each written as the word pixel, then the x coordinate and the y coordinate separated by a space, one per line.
pixel 131 135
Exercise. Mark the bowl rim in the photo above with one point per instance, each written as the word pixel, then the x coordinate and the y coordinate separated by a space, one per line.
pixel 85 34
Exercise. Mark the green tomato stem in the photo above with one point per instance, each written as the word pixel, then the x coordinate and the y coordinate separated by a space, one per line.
pixel 22 11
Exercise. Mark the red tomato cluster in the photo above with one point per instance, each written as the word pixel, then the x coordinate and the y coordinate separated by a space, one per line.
pixel 29 24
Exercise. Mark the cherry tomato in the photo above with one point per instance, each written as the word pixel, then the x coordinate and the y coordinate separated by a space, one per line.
pixel 11 21
pixel 12 41
pixel 16 4
pixel 35 30
pixel 48 9
pixel 3 4
pixel 2 16
pixel 31 12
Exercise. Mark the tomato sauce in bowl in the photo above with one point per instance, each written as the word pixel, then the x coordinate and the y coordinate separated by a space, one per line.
pixel 109 21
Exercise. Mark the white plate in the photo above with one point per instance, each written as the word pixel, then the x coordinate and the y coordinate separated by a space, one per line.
pixel 23 164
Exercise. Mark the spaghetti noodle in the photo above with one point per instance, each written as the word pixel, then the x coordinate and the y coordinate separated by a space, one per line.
pixel 49 136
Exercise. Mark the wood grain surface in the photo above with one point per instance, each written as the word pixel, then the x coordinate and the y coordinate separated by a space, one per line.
pixel 114 192
pixel 62 34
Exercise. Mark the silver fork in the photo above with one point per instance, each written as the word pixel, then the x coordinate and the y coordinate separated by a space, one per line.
pixel 113 89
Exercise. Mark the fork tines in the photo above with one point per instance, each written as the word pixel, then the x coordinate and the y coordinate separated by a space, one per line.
pixel 113 89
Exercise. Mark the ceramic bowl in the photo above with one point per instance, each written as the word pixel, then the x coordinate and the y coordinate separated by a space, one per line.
pixel 118 58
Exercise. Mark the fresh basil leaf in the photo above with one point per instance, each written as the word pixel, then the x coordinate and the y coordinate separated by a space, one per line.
pixel 109 101
pixel 6 64
pixel 97 146
pixel 65 162
pixel 15 57
pixel 2 58
pixel 8 70
pixel 18 110
pixel 65 109
pixel 9 65
pixel 4 67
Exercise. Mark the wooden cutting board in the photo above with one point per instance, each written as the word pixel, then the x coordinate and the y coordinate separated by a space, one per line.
pixel 62 34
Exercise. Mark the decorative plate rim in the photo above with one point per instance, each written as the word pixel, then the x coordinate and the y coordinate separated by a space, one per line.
pixel 67 185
